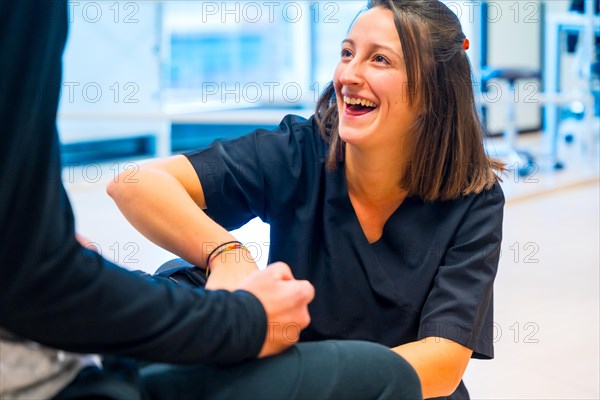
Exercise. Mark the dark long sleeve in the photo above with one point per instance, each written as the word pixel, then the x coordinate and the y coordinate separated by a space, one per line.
pixel 52 290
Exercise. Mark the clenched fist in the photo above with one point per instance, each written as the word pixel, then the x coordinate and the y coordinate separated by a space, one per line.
pixel 285 300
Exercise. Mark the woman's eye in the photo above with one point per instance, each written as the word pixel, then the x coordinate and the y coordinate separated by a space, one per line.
pixel 346 53
pixel 380 59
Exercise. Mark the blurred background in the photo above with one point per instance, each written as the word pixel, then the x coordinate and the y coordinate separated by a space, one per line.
pixel 146 79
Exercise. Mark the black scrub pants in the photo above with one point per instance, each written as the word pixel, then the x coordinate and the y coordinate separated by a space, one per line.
pixel 318 370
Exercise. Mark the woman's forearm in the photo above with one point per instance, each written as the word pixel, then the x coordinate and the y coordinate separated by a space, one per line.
pixel 159 206
pixel 439 363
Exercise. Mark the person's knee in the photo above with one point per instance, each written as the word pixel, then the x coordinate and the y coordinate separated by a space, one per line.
pixel 404 379
pixel 390 375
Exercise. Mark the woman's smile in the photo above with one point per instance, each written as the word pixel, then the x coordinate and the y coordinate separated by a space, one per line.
pixel 357 107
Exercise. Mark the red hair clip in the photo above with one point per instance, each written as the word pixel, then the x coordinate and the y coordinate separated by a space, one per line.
pixel 466 44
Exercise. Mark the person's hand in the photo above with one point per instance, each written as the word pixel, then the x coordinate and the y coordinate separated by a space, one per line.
pixel 286 304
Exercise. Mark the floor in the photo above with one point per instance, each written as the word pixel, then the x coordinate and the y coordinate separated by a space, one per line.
pixel 547 293
pixel 546 302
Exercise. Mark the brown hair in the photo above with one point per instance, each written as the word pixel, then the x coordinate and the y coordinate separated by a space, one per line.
pixel 447 157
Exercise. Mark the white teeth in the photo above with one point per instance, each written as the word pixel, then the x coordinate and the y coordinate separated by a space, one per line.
pixel 362 102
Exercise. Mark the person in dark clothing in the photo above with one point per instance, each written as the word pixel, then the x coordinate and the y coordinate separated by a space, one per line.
pixel 384 199
pixel 55 294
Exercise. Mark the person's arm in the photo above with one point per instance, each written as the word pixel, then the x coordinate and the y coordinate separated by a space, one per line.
pixel 55 292
pixel 440 364
pixel 164 202
pixel 284 300
pixel 458 312
pixel 256 175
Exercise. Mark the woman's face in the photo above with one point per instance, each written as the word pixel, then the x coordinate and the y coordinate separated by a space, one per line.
pixel 371 84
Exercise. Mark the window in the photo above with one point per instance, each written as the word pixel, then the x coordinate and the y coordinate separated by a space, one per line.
pixel 235 54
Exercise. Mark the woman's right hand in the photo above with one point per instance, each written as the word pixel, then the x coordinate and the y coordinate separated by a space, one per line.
pixel 285 301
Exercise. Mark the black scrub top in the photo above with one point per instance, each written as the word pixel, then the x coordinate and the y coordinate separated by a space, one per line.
pixel 430 274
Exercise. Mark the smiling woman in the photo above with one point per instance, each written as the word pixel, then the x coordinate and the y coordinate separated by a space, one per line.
pixel 412 55
pixel 384 199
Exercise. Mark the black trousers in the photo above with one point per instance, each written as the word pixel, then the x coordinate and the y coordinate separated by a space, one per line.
pixel 318 370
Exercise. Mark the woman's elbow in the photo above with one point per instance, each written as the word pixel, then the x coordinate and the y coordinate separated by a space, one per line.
pixel 120 189
pixel 440 384
pixel 452 384
pixel 453 375
pixel 112 189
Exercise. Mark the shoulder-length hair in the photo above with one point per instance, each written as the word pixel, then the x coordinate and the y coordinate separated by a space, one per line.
pixel 447 159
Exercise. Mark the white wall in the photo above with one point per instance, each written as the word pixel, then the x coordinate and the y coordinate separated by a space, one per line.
pixel 111 67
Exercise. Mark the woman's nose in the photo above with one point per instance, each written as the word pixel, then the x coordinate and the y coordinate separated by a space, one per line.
pixel 351 74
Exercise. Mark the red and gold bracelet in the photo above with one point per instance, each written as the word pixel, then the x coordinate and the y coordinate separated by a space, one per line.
pixel 223 248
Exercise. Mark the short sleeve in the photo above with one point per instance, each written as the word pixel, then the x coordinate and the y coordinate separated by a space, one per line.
pixel 460 305
pixel 257 174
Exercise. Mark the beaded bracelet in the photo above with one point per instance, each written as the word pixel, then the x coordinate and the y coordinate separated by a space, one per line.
pixel 222 248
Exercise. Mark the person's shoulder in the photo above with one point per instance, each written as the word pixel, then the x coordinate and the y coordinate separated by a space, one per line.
pixel 493 194
pixel 489 198
pixel 489 202
pixel 298 124
pixel 302 131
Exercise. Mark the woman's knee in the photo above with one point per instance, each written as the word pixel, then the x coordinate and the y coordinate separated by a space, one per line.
pixel 388 375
